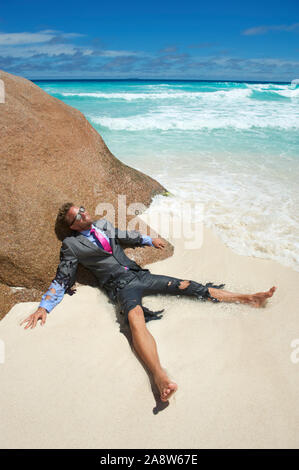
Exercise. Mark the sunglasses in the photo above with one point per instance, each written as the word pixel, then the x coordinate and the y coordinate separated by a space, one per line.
pixel 78 216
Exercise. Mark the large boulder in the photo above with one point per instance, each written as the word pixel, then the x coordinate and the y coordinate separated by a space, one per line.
pixel 50 154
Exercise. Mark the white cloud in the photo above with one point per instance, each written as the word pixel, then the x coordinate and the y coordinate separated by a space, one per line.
pixel 56 49
pixel 87 52
pixel 108 53
pixel 249 63
pixel 29 51
pixel 25 45
pixel 265 29
pixel 17 39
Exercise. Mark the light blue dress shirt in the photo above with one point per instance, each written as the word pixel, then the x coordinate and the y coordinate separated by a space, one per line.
pixel 57 297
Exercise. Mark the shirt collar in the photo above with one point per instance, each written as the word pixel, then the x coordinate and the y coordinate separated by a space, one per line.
pixel 87 232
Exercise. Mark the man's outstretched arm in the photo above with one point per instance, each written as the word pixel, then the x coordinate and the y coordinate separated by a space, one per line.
pixel 64 279
pixel 134 238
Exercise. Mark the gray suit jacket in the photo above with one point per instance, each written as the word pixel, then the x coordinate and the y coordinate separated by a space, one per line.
pixel 105 266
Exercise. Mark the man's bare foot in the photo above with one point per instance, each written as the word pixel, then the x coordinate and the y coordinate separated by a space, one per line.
pixel 259 299
pixel 165 386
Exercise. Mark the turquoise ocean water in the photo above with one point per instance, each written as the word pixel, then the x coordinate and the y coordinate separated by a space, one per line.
pixel 234 147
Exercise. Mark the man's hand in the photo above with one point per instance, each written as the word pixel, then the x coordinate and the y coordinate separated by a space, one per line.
pixel 159 243
pixel 40 314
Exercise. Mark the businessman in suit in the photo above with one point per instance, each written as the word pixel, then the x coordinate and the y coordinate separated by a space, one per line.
pixel 98 246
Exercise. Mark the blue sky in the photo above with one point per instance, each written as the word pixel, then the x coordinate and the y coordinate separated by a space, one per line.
pixel 228 40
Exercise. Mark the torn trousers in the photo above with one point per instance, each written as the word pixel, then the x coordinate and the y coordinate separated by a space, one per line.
pixel 129 294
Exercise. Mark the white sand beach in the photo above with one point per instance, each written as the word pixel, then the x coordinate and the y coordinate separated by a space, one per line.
pixel 75 383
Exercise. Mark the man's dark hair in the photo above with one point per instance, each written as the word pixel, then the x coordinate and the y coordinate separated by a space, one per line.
pixel 62 228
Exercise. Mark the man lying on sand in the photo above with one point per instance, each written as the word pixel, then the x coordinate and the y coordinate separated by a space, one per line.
pixel 97 246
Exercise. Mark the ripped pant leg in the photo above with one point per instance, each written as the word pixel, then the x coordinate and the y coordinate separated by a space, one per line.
pixel 193 288
pixel 129 297
pixel 159 284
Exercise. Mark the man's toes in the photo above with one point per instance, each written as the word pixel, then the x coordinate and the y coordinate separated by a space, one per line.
pixel 270 292
pixel 168 392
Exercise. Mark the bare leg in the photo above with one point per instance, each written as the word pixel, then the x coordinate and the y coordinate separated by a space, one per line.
pixel 146 348
pixel 255 300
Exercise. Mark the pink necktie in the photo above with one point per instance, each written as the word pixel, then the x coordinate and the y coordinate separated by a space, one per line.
pixel 105 244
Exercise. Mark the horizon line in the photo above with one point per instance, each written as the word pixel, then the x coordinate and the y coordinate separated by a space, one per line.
pixel 157 80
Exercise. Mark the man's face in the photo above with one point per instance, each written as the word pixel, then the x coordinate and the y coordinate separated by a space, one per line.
pixel 83 224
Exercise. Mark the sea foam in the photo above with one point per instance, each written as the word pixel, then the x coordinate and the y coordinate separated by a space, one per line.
pixel 231 147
